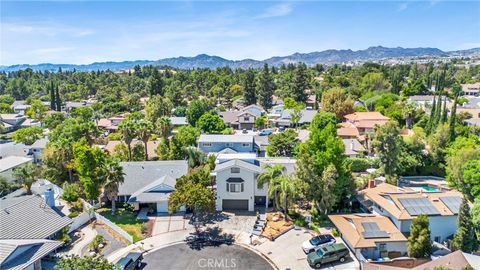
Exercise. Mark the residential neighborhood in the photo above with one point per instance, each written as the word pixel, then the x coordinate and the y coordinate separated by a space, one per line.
pixel 345 158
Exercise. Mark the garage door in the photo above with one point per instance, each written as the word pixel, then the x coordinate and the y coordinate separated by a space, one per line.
pixel 235 205
pixel 162 207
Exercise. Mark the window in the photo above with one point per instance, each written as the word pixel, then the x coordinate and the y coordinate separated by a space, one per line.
pixel 245 144
pixel 246 118
pixel 229 144
pixel 207 144
pixel 235 170
pixel 235 187
pixel 437 239
pixel 383 247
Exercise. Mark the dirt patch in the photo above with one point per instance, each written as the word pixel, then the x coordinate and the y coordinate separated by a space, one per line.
pixel 276 226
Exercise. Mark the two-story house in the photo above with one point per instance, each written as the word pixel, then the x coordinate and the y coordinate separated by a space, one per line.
pixel 402 204
pixel 366 121
pixel 214 143
pixel 242 119
pixel 11 121
pixel 236 180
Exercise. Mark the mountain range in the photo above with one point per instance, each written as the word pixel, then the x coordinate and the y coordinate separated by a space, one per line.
pixel 327 57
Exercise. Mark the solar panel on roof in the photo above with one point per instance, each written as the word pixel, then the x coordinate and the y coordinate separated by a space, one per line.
pixel 418 206
pixel 453 203
pixel 373 231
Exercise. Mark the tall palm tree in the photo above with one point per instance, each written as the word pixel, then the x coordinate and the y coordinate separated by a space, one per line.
pixel 128 129
pixel 144 131
pixel 114 177
pixel 164 126
pixel 286 188
pixel 27 175
pixel 270 176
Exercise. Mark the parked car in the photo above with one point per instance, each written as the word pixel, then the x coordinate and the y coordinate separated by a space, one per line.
pixel 326 254
pixel 132 261
pixel 282 128
pixel 245 131
pixel 317 242
pixel 265 132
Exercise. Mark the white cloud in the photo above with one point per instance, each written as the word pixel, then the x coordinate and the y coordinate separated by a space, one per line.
pixel 277 11
pixel 402 7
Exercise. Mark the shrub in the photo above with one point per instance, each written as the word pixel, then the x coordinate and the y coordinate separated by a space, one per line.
pixel 78 205
pixel 95 244
pixel 335 233
pixel 73 214
pixel 71 192
pixel 358 164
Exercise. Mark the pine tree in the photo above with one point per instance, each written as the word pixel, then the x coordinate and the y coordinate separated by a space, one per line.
pixel 444 112
pixel 51 90
pixel 300 84
pixel 58 101
pixel 431 119
pixel 465 238
pixel 438 111
pixel 248 85
pixel 419 243
pixel 456 91
pixel 155 83
pixel 265 87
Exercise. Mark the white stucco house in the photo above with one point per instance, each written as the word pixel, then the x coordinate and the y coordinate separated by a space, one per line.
pixel 236 180
pixel 10 163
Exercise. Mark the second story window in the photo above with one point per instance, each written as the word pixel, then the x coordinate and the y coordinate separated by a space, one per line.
pixel 235 187
pixel 245 144
pixel 207 144
pixel 229 144
pixel 235 170
pixel 246 118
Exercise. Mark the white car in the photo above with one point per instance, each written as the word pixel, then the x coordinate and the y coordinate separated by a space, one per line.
pixel 318 242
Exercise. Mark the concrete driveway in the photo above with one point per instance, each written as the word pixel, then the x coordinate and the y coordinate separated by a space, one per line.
pixel 286 252
pixel 170 223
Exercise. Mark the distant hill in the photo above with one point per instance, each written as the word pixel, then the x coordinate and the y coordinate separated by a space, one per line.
pixel 209 61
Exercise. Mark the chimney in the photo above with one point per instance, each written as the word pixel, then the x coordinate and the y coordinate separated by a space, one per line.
pixel 49 197
pixel 371 183
pixel 351 145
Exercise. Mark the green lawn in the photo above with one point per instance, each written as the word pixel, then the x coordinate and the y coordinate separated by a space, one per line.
pixel 126 220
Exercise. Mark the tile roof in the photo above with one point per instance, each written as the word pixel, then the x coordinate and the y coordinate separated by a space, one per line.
pixel 29 217
pixel 387 196
pixel 348 132
pixel 357 116
pixel 9 162
pixel 352 228
pixel 19 254
pixel 139 174
pixel 151 147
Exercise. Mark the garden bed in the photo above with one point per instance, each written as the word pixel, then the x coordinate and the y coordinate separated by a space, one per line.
pixel 127 220
pixel 276 226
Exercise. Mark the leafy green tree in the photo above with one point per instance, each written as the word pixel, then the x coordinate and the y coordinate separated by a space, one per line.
pixel 89 164
pixel 471 178
pixel 37 110
pixel 195 157
pixel 323 148
pixel 128 129
pixel 265 87
pixel 261 122
pixel 138 152
pixel 419 244
pixel 164 126
pixel 271 176
pixel 80 263
pixel 296 115
pixel 155 83
pixel 337 101
pixel 287 189
pixel 84 114
pixel 114 177
pixel 386 142
pixel 282 144
pixel 211 123
pixel 6 187
pixel 57 163
pixel 26 175
pixel 157 106
pixel 248 87
pixel 144 131
pixel 476 217
pixel 196 109
pixel 465 238
pixel 289 103
pixel 300 83
pixel 27 135
pixel 326 201
pixel 53 120
pixel 71 192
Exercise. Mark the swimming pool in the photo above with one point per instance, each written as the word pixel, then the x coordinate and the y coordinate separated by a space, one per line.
pixel 425 188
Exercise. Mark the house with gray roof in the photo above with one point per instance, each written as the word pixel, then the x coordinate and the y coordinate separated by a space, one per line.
pixel 10 163
pixel 242 119
pixel 149 183
pixel 285 120
pixel 18 254
pixel 30 217
pixel 215 143
pixel 353 147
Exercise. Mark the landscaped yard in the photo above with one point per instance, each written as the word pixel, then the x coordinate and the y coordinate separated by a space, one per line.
pixel 127 220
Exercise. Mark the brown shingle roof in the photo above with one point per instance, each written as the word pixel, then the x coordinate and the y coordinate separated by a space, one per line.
pixel 351 227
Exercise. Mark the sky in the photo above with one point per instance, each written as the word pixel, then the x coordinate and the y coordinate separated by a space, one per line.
pixel 82 32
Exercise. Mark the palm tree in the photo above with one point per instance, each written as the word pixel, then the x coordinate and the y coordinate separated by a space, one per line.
pixel 271 175
pixel 27 175
pixel 144 132
pixel 113 179
pixel 164 126
pixel 286 188
pixel 128 129
pixel 195 157
pixel 409 113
